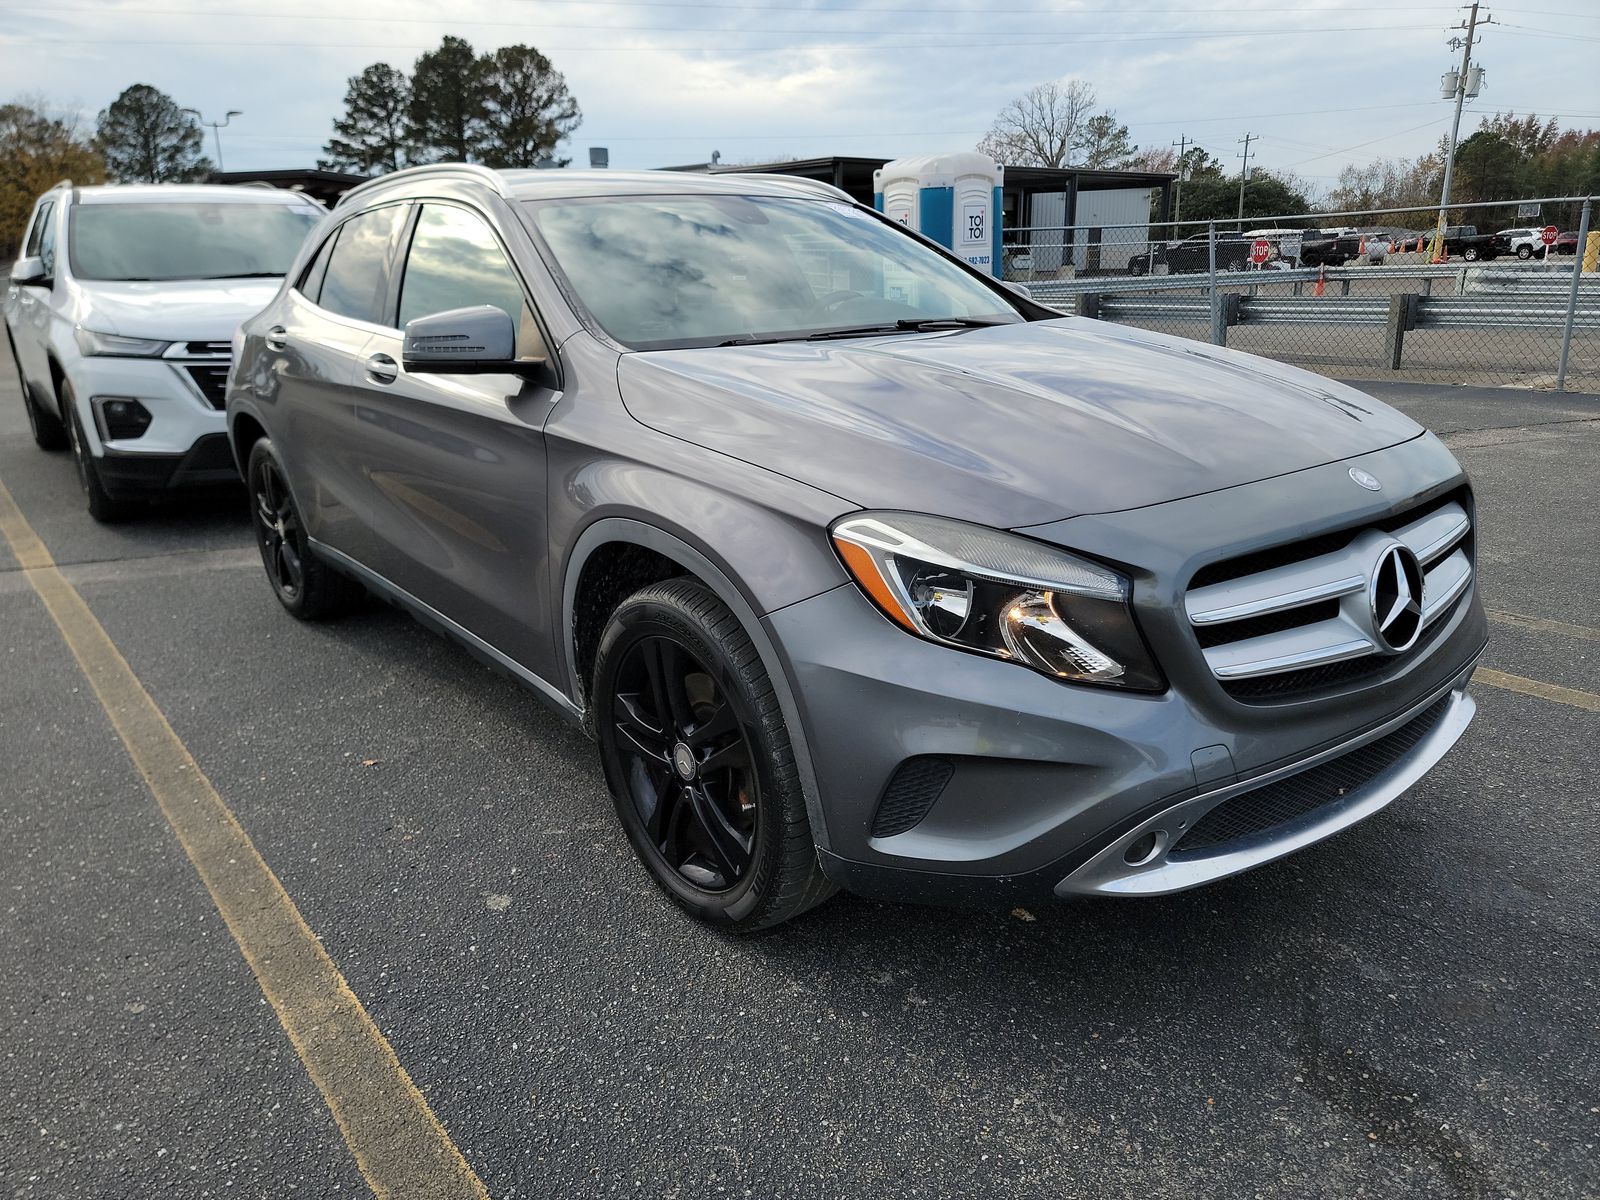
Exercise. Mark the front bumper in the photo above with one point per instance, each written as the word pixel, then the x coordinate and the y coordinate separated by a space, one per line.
pixel 180 413
pixel 1040 788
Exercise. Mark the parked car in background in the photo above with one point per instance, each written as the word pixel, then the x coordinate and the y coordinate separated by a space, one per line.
pixel 1524 243
pixel 879 577
pixel 120 315
pixel 1466 242
pixel 1193 254
pixel 1566 242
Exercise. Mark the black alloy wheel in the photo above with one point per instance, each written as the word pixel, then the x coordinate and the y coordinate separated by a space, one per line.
pixel 689 772
pixel 277 530
pixel 698 760
pixel 304 584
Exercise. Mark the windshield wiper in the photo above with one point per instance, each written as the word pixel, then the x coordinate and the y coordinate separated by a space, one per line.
pixel 241 275
pixel 923 323
pixel 904 325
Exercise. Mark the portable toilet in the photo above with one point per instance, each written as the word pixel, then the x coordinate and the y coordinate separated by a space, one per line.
pixel 955 199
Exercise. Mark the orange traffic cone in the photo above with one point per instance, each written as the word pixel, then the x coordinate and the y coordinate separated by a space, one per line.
pixel 1322 285
pixel 1362 251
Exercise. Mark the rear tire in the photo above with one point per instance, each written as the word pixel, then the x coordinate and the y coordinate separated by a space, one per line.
pixel 1524 252
pixel 699 762
pixel 103 506
pixel 306 586
pixel 1470 254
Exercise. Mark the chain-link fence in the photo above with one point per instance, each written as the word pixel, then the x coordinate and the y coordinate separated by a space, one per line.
pixel 1354 295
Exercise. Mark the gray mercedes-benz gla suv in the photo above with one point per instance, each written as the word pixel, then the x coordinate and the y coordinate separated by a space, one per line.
pixel 864 570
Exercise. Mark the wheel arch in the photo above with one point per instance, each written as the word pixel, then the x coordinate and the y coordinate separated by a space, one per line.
pixel 610 538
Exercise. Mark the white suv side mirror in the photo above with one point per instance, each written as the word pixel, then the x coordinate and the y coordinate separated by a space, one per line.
pixel 29 272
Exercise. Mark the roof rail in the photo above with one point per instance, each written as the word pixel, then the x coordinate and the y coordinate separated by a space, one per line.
pixel 816 186
pixel 473 171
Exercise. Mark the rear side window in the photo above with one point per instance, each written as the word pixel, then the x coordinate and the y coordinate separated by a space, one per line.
pixel 357 274
pixel 310 284
pixel 47 244
pixel 36 234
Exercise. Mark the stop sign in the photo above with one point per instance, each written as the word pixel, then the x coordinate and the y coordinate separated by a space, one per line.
pixel 1261 249
pixel 1548 235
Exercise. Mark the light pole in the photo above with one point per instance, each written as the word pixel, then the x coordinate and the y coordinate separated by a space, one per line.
pixel 216 128
pixel 1459 85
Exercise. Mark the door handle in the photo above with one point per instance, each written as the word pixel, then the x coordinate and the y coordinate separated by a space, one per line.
pixel 382 369
pixel 277 338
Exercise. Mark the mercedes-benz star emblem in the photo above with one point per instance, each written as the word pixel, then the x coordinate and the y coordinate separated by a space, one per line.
pixel 1396 598
pixel 683 762
pixel 1366 479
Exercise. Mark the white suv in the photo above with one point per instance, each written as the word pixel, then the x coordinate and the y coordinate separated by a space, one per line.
pixel 120 315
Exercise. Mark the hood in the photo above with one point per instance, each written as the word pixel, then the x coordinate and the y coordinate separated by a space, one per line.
pixel 174 310
pixel 1009 426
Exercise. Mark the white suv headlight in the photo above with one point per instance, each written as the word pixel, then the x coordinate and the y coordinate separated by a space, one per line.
pixel 115 345
pixel 998 594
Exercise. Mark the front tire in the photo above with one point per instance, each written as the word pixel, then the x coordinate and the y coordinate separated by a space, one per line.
pixel 48 432
pixel 699 762
pixel 103 506
pixel 1471 254
pixel 305 585
pixel 1524 252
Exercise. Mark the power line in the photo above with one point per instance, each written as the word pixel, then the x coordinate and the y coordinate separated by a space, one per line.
pixel 965 41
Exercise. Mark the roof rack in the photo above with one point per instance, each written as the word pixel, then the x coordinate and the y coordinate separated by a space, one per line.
pixel 473 171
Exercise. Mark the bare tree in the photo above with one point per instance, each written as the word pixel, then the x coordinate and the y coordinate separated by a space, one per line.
pixel 1043 127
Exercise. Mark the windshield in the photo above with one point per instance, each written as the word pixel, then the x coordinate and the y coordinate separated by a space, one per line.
pixel 659 272
pixel 168 240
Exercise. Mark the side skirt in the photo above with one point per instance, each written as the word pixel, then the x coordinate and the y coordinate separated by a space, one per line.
pixel 440 623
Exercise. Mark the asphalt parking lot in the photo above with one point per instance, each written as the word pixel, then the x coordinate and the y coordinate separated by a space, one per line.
pixel 1408 1010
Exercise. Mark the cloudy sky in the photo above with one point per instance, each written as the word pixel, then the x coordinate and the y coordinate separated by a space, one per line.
pixel 1323 83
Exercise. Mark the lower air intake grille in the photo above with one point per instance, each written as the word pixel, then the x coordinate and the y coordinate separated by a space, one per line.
pixel 911 792
pixel 1290 799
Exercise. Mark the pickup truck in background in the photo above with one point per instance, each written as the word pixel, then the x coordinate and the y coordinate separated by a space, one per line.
pixel 1191 254
pixel 1466 241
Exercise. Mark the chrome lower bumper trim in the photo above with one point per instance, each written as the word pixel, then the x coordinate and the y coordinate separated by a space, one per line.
pixel 1109 874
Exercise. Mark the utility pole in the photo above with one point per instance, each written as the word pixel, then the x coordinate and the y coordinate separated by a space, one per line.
pixel 1244 170
pixel 1182 144
pixel 216 128
pixel 1463 83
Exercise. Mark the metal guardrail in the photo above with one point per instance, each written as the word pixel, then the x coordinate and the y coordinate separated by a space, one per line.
pixel 1297 310
pixel 1432 312
pixel 1453 313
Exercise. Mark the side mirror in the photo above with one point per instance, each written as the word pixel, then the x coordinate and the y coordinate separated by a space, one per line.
pixel 1020 289
pixel 464 341
pixel 29 272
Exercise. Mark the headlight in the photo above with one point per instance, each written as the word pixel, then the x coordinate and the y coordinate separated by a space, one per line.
pixel 90 342
pixel 998 594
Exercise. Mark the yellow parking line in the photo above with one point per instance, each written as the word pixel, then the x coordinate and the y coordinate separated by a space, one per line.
pixel 398 1144
pixel 1544 625
pixel 1537 687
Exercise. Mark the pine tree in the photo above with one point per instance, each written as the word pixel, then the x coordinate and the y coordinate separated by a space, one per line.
pixel 527 108
pixel 374 134
pixel 445 119
pixel 147 138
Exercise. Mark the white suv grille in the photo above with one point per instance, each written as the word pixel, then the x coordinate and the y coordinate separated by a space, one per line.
pixel 1290 617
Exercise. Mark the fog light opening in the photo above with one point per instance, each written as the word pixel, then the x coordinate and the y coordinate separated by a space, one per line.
pixel 1144 848
pixel 121 417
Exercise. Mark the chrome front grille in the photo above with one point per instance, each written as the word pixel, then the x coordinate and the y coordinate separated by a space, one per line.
pixel 1296 611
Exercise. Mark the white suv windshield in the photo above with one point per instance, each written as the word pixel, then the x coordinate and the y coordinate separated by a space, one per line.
pixel 658 272
pixel 171 240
